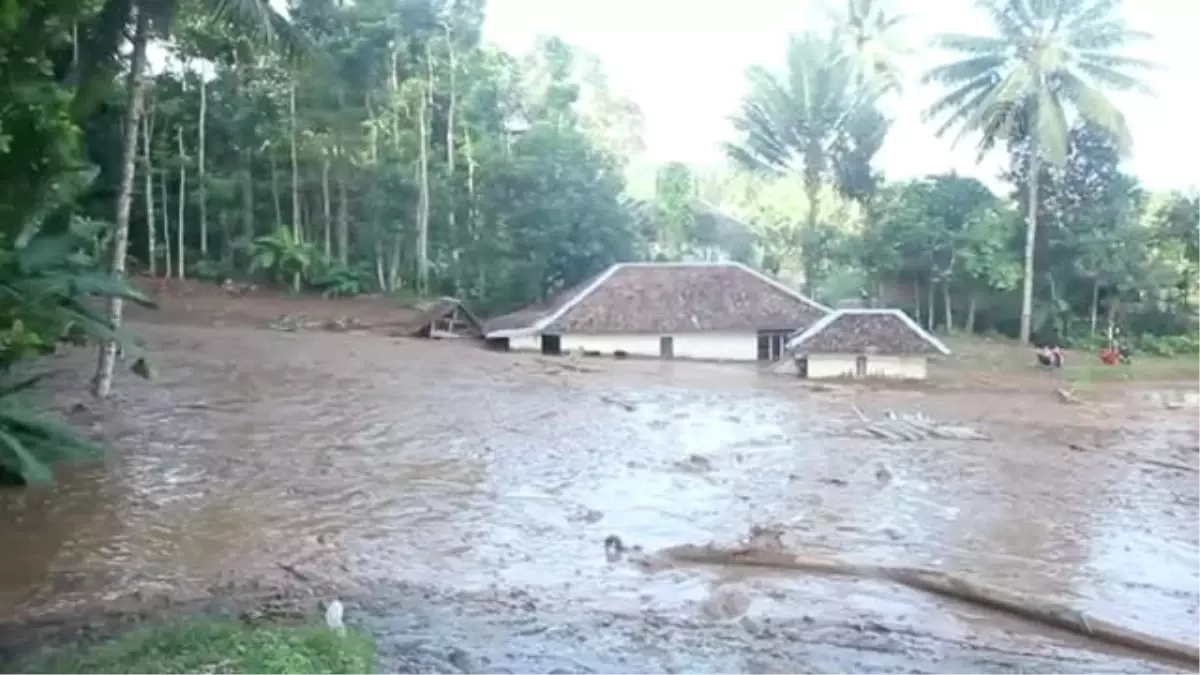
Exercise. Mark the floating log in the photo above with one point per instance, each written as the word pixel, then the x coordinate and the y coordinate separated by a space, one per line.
pixel 946 585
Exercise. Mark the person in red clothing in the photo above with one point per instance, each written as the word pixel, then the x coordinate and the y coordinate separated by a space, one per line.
pixel 1115 353
pixel 1109 355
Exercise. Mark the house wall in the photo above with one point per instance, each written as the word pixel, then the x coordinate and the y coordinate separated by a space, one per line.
pixel 698 346
pixel 884 366
pixel 525 343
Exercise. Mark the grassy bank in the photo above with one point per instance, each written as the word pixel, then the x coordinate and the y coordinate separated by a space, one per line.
pixel 980 355
pixel 217 646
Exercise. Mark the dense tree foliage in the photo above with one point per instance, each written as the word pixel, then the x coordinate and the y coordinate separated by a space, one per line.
pixel 381 146
pixel 1044 60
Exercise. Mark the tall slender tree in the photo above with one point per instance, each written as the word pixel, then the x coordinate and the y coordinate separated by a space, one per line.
pixel 808 120
pixel 1044 60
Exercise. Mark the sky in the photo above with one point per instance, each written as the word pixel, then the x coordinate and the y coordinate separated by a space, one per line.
pixel 683 63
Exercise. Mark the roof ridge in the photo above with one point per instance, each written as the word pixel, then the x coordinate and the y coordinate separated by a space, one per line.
pixel 564 308
pixel 826 321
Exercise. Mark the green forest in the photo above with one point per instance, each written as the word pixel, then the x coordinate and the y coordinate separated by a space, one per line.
pixel 383 146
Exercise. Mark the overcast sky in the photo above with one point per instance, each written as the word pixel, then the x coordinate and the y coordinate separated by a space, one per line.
pixel 683 61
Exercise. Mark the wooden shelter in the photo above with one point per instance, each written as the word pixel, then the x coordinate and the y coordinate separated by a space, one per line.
pixel 443 318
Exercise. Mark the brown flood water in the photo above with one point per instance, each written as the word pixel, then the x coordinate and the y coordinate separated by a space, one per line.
pixel 364 457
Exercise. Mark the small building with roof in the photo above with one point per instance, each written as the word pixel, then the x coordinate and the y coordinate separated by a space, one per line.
pixel 723 311
pixel 442 318
pixel 858 343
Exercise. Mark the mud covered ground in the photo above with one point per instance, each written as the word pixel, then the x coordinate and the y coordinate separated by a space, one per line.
pixel 456 500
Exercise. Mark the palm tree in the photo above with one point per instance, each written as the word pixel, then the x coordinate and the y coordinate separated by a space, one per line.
pixel 95 70
pixel 1045 60
pixel 867 30
pixel 812 120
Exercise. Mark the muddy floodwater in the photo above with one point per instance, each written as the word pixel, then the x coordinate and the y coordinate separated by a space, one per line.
pixel 367 459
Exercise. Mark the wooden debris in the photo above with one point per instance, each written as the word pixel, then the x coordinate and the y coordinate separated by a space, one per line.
pixel 293 572
pixel 566 364
pixel 1165 465
pixel 911 428
pixel 1067 396
pixel 627 406
pixel 946 585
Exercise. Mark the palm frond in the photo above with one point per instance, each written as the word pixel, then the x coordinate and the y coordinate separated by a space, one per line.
pixel 1002 82
pixel 1052 128
pixel 970 69
pixel 1094 106
pixel 970 44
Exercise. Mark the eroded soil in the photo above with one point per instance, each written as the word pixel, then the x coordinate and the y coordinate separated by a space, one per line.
pixel 457 499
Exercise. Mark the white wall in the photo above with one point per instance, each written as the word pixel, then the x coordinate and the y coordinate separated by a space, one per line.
pixel 698 346
pixel 525 343
pixel 843 365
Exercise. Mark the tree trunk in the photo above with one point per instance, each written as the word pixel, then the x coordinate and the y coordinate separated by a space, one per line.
pixel 423 198
pixel 812 190
pixel 929 309
pixel 1030 240
pixel 248 197
pixel 949 306
pixel 275 188
pixel 296 233
pixel 917 299
pixel 148 180
pixel 969 324
pixel 247 160
pixel 326 211
pixel 102 383
pixel 180 255
pixel 201 171
pixel 343 225
pixel 472 211
pixel 168 257
pixel 379 273
pixel 1095 304
pixel 451 152
pixel 343 217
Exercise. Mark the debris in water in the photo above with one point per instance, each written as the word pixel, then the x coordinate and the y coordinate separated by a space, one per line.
pixel 566 364
pixel 945 585
pixel 627 406
pixel 911 428
pixel 333 616
pixel 882 474
pixel 726 604
pixel 1067 396
pixel 695 464
pixel 297 574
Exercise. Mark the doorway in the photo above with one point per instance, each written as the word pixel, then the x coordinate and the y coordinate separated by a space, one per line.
pixel 666 347
pixel 860 366
pixel 771 344
pixel 552 345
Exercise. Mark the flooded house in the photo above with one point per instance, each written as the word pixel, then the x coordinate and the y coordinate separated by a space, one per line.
pixel 857 343
pixel 722 311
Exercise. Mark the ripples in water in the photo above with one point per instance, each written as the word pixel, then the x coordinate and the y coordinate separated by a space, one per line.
pixel 447 465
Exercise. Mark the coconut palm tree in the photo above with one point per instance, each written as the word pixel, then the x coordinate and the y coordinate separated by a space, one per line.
pixel 1045 61
pixel 867 31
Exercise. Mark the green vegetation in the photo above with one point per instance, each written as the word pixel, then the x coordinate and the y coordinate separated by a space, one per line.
pixel 218 647
pixel 1001 355
pixel 382 146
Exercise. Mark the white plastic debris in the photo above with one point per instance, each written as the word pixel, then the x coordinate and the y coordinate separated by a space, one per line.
pixel 333 617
